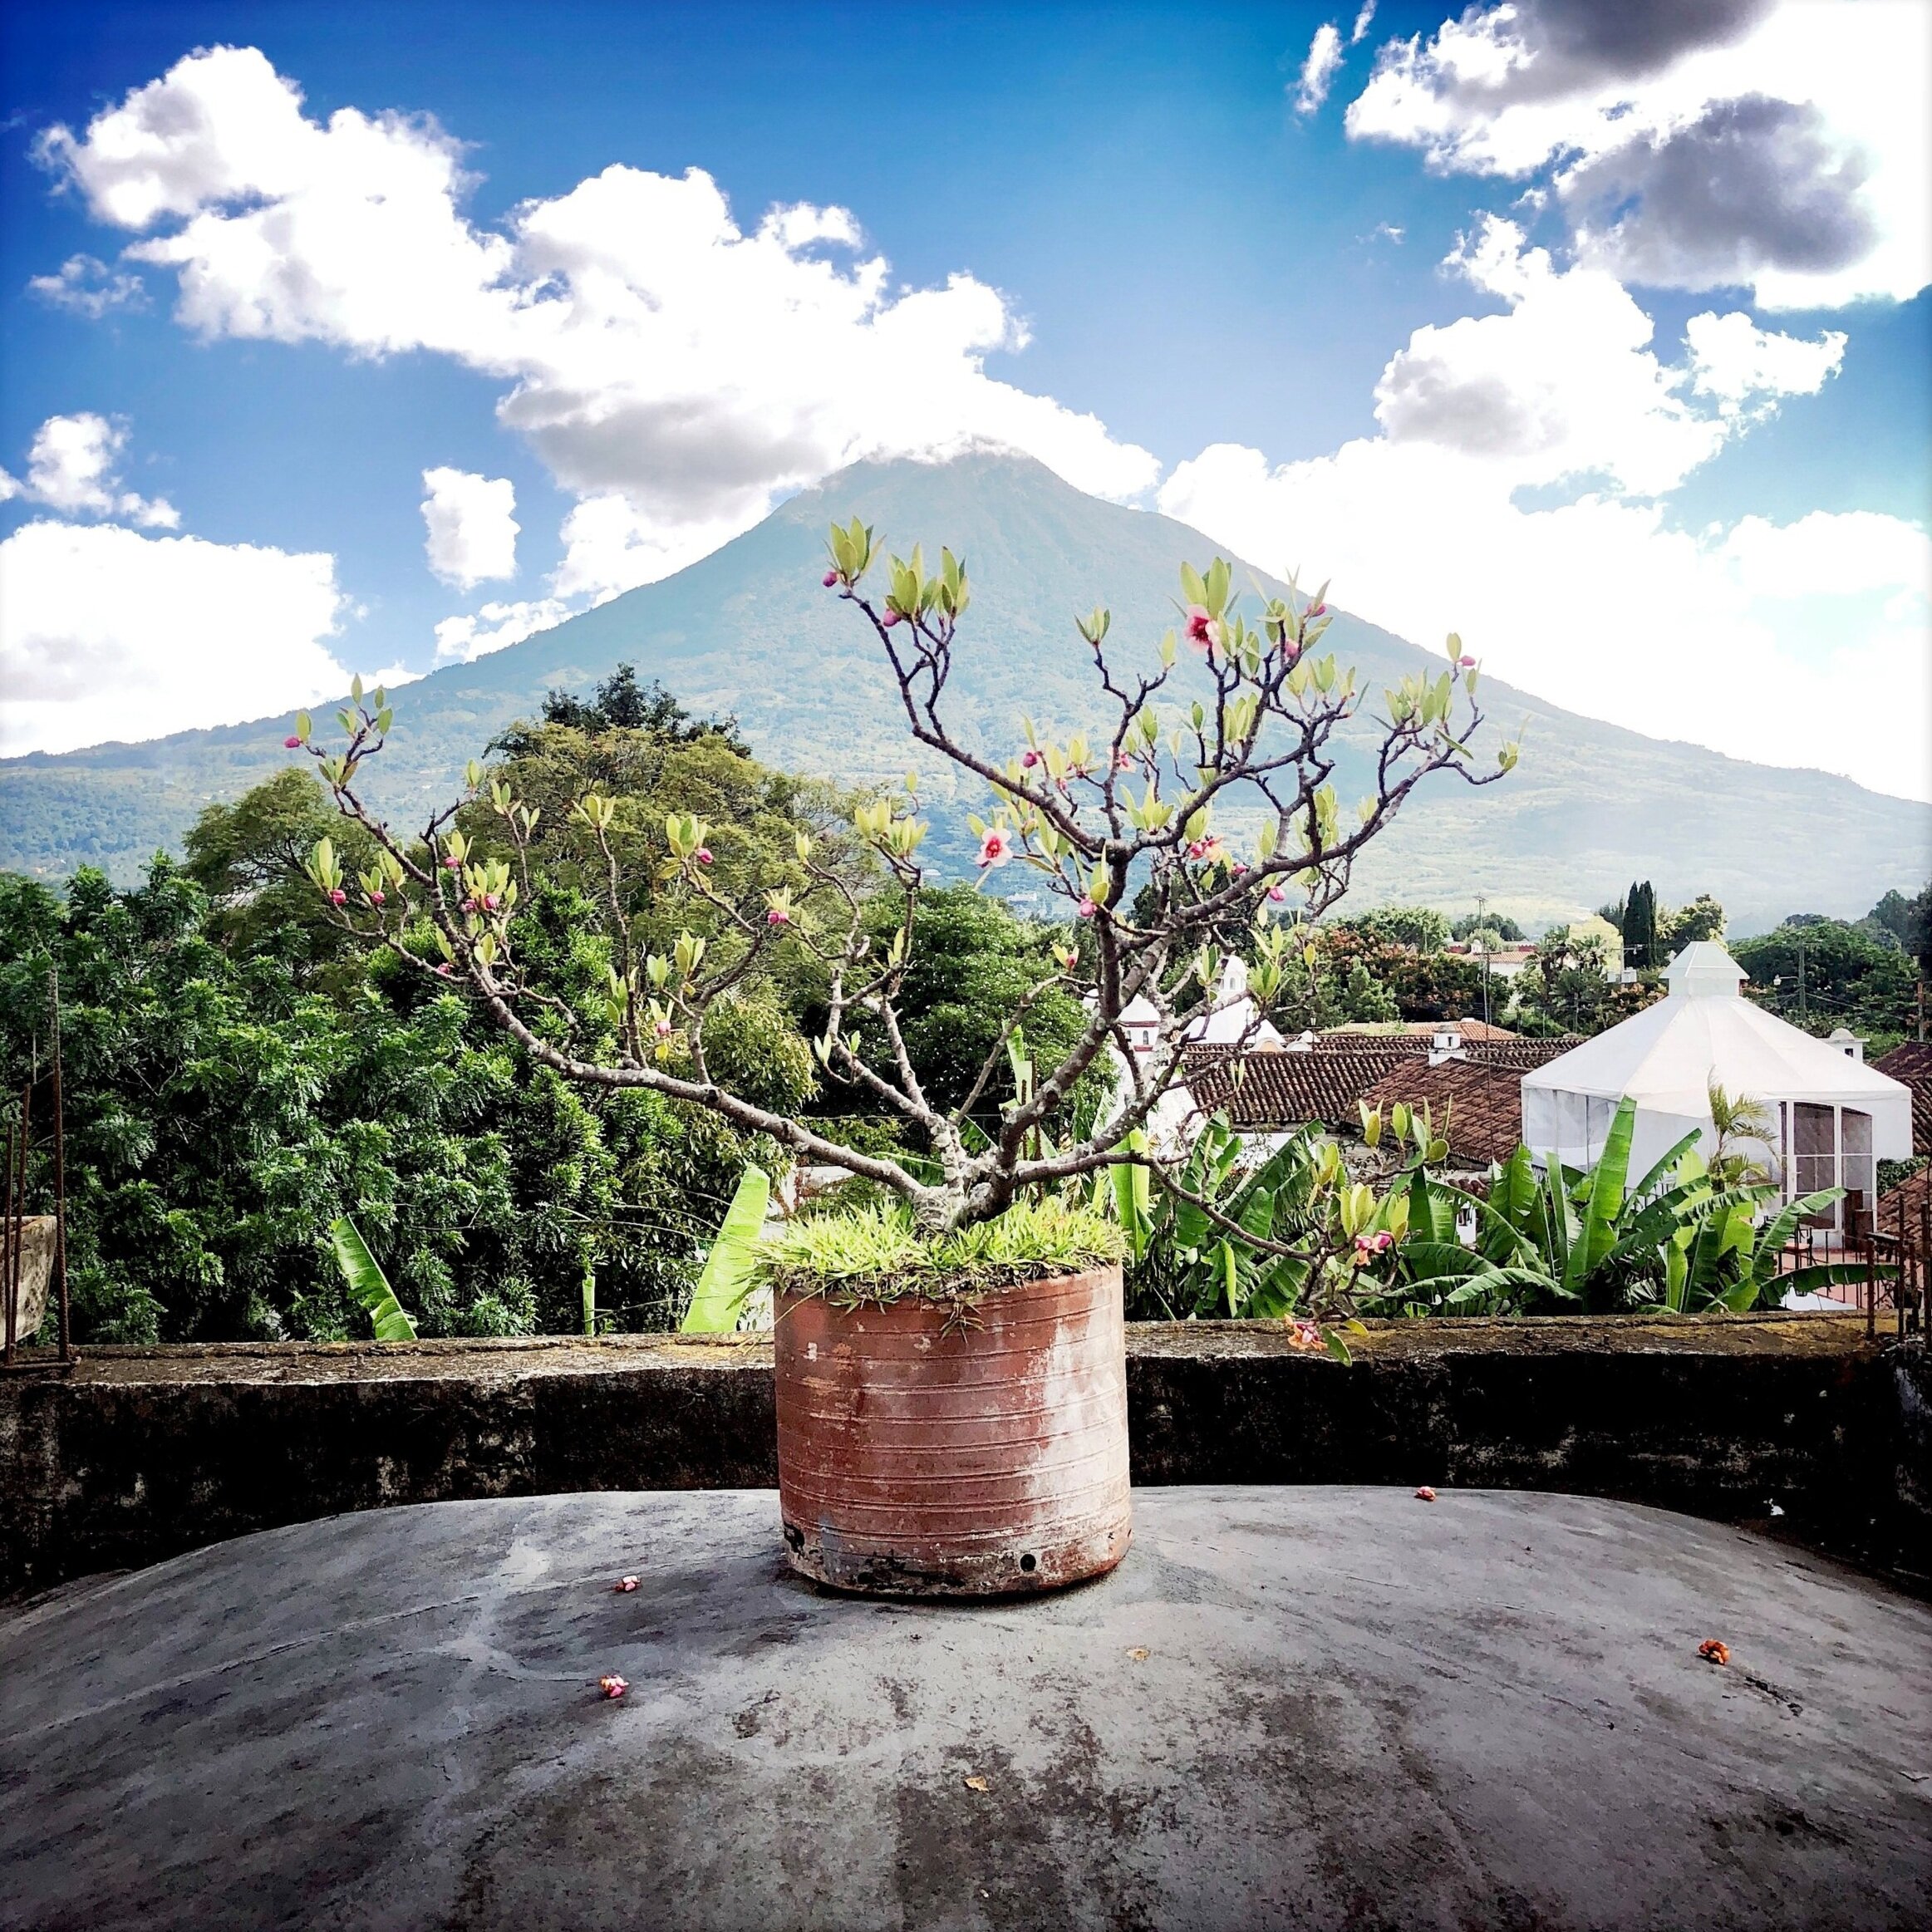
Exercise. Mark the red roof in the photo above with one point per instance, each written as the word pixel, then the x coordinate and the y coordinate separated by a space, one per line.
pixel 1476 1107
pixel 1911 1062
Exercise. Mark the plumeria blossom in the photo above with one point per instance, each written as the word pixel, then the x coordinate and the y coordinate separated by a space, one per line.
pixel 996 848
pixel 1030 758
pixel 830 578
pixel 624 1585
pixel 1305 1334
pixel 292 743
pixel 1088 908
pixel 1201 628
pixel 613 1685
pixel 1425 1494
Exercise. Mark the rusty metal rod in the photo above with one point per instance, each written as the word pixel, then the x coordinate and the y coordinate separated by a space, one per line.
pixel 17 1191
pixel 61 1186
pixel 7 1220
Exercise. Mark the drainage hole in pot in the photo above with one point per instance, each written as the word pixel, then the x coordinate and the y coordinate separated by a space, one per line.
pixel 1029 1563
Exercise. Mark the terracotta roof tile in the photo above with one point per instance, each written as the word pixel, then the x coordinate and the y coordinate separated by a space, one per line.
pixel 1476 1107
pixel 1911 1062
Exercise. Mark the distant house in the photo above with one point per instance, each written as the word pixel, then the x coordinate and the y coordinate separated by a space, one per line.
pixel 1475 1105
pixel 1834 1118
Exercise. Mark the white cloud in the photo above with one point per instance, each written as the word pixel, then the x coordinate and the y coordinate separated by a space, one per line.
pixel 655 352
pixel 1732 360
pixel 1318 71
pixel 1598 603
pixel 472 529
pixel 71 468
pixel 106 633
pixel 89 287
pixel 1784 147
pixel 1364 21
pixel 464 640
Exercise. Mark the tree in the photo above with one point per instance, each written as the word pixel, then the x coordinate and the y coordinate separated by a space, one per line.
pixel 1505 929
pixel 622 704
pixel 1703 918
pixel 1136 797
pixel 1820 974
pixel 1420 927
pixel 1910 922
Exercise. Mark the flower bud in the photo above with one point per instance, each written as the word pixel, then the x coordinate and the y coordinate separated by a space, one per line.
pixel 830 577
pixel 1088 908
pixel 338 896
pixel 292 742
pixel 704 855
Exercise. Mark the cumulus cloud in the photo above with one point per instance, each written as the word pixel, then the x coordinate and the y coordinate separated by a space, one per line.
pixel 472 529
pixel 1364 21
pixel 1751 185
pixel 88 286
pixel 1319 70
pixel 106 633
pixel 464 639
pixel 71 468
pixel 1600 603
pixel 1777 144
pixel 653 350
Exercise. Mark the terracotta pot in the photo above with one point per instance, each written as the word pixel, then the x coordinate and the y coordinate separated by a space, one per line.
pixel 980 1459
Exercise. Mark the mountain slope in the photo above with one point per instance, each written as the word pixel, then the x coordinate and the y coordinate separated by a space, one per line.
pixel 750 630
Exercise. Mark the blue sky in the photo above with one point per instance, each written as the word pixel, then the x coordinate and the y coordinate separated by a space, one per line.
pixel 1397 335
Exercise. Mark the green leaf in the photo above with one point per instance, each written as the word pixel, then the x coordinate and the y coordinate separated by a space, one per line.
pixel 368 1283
pixel 727 1276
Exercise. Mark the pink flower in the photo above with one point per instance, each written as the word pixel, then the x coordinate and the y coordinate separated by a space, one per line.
pixel 1425 1494
pixel 704 855
pixel 612 1686
pixel 452 865
pixel 1319 610
pixel 445 969
pixel 778 916
pixel 1088 908
pixel 624 1585
pixel 664 1029
pixel 1277 893
pixel 377 897
pixel 830 578
pixel 1201 628
pixel 1384 1240
pixel 489 902
pixel 337 897
pixel 1240 872
pixel 469 905
pixel 1123 761
pixel 293 744
pixel 1305 1334
pixel 891 618
pixel 996 848
pixel 1029 758
pixel 1465 663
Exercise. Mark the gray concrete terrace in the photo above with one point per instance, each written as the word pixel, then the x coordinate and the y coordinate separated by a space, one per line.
pixel 1289 1706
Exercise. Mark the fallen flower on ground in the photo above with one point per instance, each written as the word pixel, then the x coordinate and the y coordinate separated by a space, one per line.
pixel 612 1686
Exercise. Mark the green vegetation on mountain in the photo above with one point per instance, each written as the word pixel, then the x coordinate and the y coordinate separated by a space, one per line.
pixel 748 633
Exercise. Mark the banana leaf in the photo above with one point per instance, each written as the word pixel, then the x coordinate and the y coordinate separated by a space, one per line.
pixel 368 1283
pixel 727 1276
pixel 1132 1196
pixel 1605 1200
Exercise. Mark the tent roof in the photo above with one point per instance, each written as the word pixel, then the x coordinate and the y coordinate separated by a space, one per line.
pixel 1666 1057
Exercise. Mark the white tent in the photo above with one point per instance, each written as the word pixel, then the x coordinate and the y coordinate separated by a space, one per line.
pixel 1836 1118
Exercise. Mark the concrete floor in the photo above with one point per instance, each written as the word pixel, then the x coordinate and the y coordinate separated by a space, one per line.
pixel 1306 1707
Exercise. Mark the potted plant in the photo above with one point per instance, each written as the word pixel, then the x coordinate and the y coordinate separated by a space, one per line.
pixel 950 1376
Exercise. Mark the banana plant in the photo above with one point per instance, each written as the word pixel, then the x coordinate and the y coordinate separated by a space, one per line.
pixel 1727 1262
pixel 368 1283
pixel 1188 1263
pixel 730 1269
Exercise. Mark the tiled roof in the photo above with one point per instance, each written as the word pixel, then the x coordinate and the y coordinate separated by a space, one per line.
pixel 1326 1083
pixel 1913 1191
pixel 1476 1107
pixel 1421 1029
pixel 1288 1089
pixel 1911 1062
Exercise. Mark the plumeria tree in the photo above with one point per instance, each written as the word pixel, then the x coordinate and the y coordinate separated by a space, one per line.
pixel 1230 725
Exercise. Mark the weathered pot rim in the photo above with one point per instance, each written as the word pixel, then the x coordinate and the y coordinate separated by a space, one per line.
pixel 844 1301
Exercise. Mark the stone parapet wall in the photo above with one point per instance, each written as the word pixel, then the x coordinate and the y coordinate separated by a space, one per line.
pixel 137 1454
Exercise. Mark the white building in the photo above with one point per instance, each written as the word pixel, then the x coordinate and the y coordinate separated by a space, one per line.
pixel 1836 1118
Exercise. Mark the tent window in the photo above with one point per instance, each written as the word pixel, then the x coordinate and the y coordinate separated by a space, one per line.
pixel 1860 1175
pixel 1813 1149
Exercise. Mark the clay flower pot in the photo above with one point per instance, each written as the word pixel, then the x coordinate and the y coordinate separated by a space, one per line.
pixel 921 1454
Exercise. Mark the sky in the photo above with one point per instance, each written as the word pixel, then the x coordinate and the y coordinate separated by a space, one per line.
pixel 343 338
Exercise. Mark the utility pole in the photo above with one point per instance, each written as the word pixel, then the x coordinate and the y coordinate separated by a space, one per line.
pixel 1801 1008
pixel 1921 1006
pixel 1483 927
